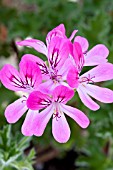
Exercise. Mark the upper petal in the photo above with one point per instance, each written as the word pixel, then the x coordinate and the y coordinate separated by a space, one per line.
pixel 73 77
pixel 38 100
pixel 58 52
pixel 36 44
pixel 40 63
pixel 59 31
pixel 60 129
pixel 30 74
pixel 77 115
pixel 11 78
pixel 77 54
pixel 15 110
pixel 86 99
pixel 42 119
pixel 97 55
pixel 83 42
pixel 62 94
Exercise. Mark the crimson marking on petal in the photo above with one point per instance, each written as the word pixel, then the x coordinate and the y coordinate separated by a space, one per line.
pixel 43 68
pixel 44 102
pixel 53 34
pixel 81 63
pixel 54 60
pixel 19 83
pixel 60 99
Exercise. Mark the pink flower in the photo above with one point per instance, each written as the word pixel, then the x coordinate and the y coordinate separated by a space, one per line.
pixel 26 80
pixel 55 107
pixel 85 87
pixel 55 72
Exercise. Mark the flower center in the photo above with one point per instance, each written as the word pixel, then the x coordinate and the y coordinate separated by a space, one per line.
pixel 57 113
pixel 55 77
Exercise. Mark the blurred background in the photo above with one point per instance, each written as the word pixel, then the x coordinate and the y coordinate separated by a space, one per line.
pixel 89 149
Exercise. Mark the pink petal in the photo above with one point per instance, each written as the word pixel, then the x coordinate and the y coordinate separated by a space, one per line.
pixel 30 74
pixel 59 31
pixel 10 78
pixel 77 54
pixel 58 52
pixel 77 115
pixel 60 129
pixel 28 125
pixel 73 34
pixel 42 119
pixel 32 58
pixel 97 55
pixel 100 73
pixel 104 95
pixel 65 68
pixel 83 43
pixel 47 87
pixel 39 62
pixel 38 100
pixel 72 77
pixel 62 94
pixel 36 44
pixel 15 110
pixel 87 101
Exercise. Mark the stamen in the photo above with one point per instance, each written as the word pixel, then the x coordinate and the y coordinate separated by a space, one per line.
pixel 24 99
pixel 87 79
pixel 85 52
pixel 56 115
pixel 54 76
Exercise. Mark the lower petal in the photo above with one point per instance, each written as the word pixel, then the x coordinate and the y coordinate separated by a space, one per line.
pixel 60 129
pixel 77 115
pixel 87 101
pixel 104 95
pixel 42 119
pixel 28 125
pixel 15 110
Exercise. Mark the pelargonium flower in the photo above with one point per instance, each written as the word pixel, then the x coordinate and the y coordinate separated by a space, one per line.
pixel 26 80
pixel 55 72
pixel 84 83
pixel 55 107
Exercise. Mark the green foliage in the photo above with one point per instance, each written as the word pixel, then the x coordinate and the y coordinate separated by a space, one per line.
pixel 12 151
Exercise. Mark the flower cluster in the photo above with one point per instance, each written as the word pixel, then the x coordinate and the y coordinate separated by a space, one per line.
pixel 49 85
